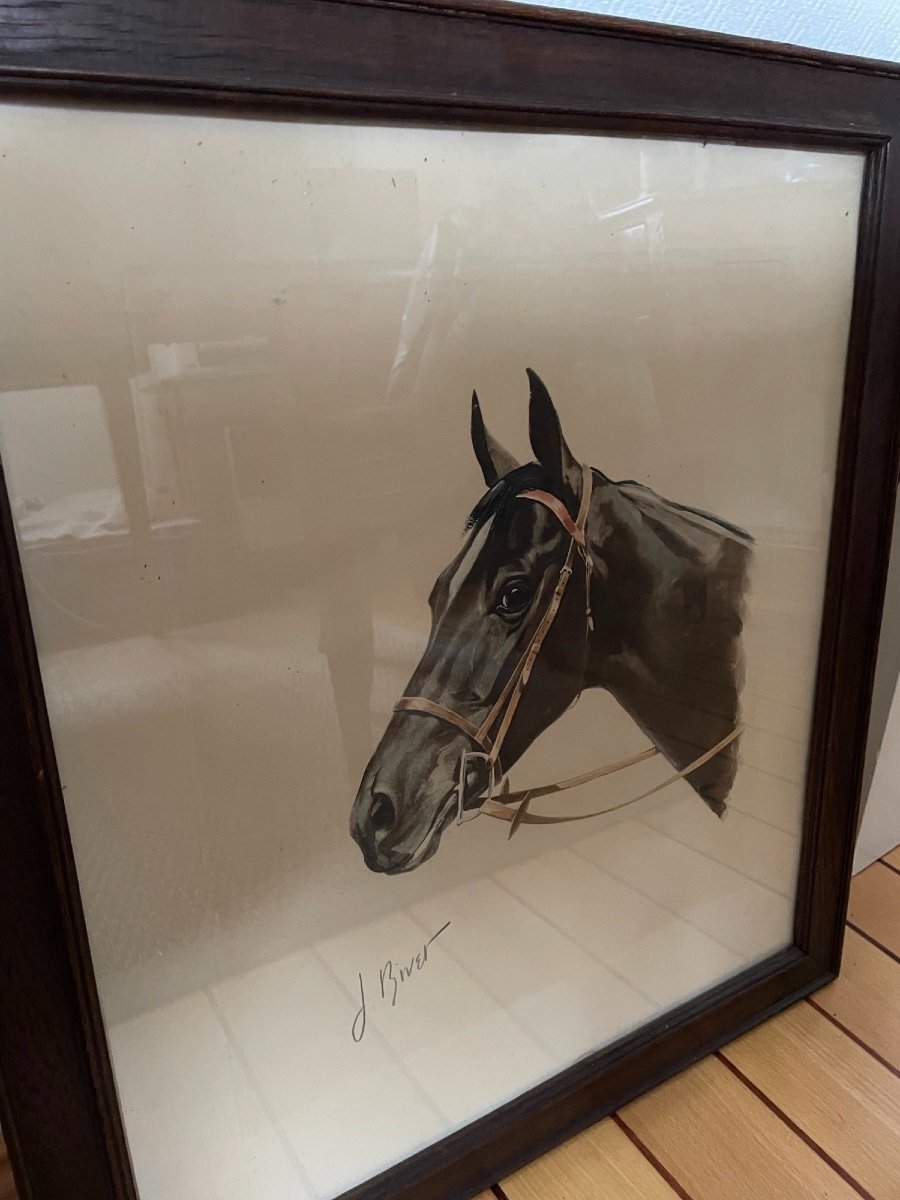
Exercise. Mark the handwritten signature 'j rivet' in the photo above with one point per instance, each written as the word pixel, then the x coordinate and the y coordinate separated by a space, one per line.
pixel 392 976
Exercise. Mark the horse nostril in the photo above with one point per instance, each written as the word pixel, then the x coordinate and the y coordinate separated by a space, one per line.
pixel 382 814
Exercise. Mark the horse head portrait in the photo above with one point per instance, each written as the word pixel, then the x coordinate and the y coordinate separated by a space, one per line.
pixel 566 580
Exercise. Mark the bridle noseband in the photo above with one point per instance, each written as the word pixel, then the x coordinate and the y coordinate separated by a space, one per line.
pixel 490 735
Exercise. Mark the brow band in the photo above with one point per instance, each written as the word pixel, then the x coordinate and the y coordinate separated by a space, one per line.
pixel 558 509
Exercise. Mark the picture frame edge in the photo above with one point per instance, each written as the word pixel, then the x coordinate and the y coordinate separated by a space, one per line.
pixel 102 1162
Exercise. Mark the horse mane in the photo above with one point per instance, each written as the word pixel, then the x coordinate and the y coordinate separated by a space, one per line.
pixel 704 518
pixel 497 500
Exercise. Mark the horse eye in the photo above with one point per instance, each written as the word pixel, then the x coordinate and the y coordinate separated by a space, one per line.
pixel 514 599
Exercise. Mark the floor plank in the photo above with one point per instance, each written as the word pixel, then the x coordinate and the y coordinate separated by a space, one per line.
pixel 875 905
pixel 865 998
pixel 748 846
pixel 661 956
pixel 512 955
pixel 7 1187
pixel 722 1143
pixel 832 1089
pixel 893 858
pixel 721 902
pixel 600 1161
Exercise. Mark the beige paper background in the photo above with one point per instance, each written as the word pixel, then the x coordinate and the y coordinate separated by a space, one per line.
pixel 236 360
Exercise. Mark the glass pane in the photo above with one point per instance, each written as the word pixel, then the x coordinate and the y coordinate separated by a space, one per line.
pixel 236 368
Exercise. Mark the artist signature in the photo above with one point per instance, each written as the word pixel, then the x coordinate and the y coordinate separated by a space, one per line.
pixel 391 978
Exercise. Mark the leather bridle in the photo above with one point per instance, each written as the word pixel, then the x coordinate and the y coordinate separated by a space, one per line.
pixel 490 735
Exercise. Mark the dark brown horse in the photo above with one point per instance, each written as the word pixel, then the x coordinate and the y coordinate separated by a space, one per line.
pixel 664 598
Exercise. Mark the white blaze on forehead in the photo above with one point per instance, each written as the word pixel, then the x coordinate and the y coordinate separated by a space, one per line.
pixel 467 562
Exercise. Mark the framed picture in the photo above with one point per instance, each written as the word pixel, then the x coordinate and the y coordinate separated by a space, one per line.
pixel 449 461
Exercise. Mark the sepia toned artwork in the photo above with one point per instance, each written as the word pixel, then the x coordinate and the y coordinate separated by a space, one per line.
pixel 654 616
pixel 558 638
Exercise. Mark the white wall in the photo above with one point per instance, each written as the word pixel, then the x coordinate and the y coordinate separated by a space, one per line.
pixel 870 28
pixel 878 832
pixel 867 27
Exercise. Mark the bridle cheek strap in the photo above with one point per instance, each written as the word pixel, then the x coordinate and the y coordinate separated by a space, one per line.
pixel 504 708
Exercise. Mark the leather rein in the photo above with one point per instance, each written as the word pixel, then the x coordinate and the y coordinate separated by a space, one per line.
pixel 490 735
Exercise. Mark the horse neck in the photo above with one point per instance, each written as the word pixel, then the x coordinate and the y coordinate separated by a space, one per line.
pixel 667 601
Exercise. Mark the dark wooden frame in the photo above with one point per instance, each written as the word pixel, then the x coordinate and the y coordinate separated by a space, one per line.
pixel 482 64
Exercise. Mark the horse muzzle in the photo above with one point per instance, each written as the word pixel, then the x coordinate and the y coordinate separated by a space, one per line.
pixel 402 810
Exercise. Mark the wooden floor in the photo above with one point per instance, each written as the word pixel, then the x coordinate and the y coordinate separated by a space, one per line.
pixel 806 1107
pixel 7 1187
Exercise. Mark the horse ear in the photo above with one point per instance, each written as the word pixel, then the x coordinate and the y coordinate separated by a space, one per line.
pixel 549 445
pixel 494 461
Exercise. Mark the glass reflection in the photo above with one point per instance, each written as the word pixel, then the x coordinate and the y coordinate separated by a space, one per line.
pixel 234 422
